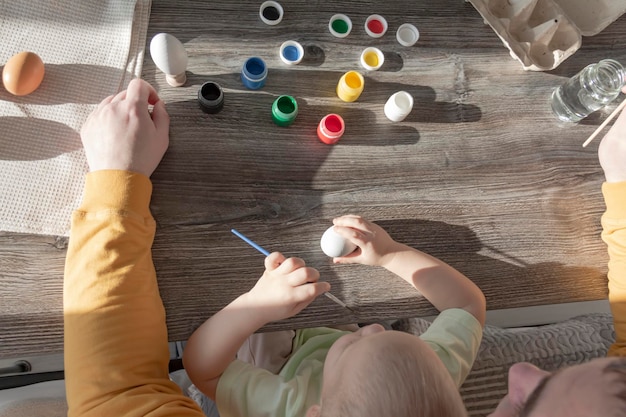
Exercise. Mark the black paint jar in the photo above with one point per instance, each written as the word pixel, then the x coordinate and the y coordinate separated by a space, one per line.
pixel 211 97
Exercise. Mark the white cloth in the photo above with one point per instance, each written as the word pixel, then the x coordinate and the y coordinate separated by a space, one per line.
pixel 91 49
pixel 42 399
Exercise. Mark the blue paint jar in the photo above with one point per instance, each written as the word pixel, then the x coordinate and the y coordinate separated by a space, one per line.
pixel 254 73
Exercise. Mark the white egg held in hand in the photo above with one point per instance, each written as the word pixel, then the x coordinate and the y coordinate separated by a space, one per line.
pixel 335 245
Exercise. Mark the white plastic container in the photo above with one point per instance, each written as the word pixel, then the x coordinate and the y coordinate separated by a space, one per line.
pixel 398 106
pixel 543 33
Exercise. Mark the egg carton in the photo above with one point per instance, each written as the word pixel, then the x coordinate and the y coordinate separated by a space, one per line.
pixel 543 33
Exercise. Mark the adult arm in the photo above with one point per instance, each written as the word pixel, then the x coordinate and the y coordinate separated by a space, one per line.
pixel 612 156
pixel 116 353
pixel 614 234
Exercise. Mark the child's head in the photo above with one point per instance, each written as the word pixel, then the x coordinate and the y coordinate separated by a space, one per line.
pixel 373 372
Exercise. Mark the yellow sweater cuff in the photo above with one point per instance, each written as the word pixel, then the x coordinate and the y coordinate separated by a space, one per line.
pixel 117 190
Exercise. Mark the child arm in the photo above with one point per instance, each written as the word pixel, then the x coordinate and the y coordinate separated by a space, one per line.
pixel 286 287
pixel 442 285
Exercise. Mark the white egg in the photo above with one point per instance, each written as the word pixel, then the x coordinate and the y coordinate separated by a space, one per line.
pixel 335 245
pixel 170 56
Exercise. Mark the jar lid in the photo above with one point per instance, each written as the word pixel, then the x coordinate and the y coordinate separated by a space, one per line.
pixel 372 58
pixel 291 52
pixel 271 12
pixel 376 25
pixel 340 25
pixel 407 34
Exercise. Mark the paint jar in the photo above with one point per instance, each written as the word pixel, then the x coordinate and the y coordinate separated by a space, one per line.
pixel 211 97
pixel 254 73
pixel 271 12
pixel 340 25
pixel 591 89
pixel 350 86
pixel 330 129
pixel 284 110
pixel 372 58
pixel 407 34
pixel 291 52
pixel 376 25
pixel 398 107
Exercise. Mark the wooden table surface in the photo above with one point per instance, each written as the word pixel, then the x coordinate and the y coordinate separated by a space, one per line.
pixel 480 174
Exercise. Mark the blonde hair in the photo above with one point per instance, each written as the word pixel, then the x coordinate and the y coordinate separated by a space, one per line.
pixel 394 383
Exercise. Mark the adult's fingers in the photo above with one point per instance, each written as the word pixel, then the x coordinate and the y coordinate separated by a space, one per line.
pixel 119 96
pixel 160 117
pixel 106 101
pixel 140 91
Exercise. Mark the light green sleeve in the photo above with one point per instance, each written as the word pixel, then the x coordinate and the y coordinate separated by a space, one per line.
pixel 455 337
pixel 245 390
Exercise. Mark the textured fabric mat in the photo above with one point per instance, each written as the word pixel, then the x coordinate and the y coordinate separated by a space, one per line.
pixel 550 347
pixel 90 49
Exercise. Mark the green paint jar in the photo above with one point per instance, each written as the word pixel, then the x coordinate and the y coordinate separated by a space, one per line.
pixel 284 110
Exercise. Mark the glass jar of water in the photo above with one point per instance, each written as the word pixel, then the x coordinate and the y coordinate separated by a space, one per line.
pixel 591 89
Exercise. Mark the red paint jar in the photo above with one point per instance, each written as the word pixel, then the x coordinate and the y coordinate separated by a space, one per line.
pixel 331 128
pixel 376 26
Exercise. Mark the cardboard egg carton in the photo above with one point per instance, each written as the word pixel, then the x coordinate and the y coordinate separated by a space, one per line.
pixel 543 33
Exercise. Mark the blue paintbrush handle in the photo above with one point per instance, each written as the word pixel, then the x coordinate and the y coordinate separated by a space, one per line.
pixel 250 242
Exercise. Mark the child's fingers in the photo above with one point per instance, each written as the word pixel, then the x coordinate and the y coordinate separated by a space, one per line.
pixel 349 220
pixel 303 276
pixel 309 292
pixel 274 260
pixel 351 258
pixel 289 265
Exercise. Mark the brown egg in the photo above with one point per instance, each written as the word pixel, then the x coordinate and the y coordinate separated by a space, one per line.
pixel 23 73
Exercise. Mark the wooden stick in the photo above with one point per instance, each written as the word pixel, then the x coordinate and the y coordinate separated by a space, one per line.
pixel 606 122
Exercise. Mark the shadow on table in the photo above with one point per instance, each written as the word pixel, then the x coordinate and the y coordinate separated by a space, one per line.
pixel 237 169
pixel 318 84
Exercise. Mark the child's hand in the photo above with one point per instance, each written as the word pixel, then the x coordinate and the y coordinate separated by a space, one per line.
pixel 286 287
pixel 374 245
pixel 612 150
pixel 122 134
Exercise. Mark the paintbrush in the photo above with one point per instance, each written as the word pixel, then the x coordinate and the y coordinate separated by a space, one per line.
pixel 266 253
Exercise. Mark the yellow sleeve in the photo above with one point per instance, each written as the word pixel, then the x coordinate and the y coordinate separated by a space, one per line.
pixel 116 352
pixel 614 235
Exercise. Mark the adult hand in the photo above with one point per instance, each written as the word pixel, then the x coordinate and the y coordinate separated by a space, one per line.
pixel 122 134
pixel 286 288
pixel 612 150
